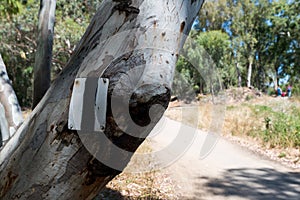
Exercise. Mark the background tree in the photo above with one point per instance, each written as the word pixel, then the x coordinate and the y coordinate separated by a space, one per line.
pixel 43 55
pixel 263 38
pixel 10 112
pixel 18 45
pixel 283 43
pixel 205 62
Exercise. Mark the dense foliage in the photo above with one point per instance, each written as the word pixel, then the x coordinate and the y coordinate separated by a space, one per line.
pixel 275 123
pixel 18 32
pixel 251 43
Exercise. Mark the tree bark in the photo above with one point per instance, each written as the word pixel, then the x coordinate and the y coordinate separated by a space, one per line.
pixel 261 78
pixel 238 71
pixel 249 72
pixel 10 111
pixel 43 55
pixel 138 39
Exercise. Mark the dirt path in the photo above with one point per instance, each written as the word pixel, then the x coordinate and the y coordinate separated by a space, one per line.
pixel 227 172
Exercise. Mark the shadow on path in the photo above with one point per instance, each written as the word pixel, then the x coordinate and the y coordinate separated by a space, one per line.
pixel 107 193
pixel 251 183
pixel 110 194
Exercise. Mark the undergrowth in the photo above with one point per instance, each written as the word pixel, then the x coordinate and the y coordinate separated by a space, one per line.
pixel 276 124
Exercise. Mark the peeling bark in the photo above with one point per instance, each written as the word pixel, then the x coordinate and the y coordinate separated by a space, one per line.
pixel 133 43
pixel 10 111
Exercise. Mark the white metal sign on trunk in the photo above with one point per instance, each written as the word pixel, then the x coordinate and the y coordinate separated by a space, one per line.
pixel 88 104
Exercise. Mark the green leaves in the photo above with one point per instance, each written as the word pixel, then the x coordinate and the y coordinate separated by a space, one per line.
pixel 205 64
pixel 9 7
pixel 18 32
pixel 263 34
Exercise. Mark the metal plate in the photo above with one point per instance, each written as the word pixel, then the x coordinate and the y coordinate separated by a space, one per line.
pixel 88 104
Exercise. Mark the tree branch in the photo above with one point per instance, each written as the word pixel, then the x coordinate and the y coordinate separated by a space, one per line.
pixel 43 55
pixel 10 111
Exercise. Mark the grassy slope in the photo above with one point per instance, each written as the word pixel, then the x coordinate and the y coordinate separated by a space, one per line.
pixel 269 125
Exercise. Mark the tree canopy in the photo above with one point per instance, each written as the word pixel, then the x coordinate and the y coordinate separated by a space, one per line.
pixel 254 41
pixel 18 33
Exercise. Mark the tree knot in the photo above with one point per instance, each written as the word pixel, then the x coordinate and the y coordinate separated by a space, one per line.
pixel 124 6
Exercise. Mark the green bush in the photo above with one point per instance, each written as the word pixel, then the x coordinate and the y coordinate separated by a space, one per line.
pixel 296 89
pixel 281 129
pixel 18 31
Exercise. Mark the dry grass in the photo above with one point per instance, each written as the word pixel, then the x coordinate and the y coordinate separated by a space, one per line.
pixel 198 115
pixel 149 185
pixel 269 125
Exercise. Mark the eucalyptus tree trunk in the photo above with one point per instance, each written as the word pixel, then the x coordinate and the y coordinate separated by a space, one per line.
pixel 135 44
pixel 238 74
pixel 249 75
pixel 10 111
pixel 43 55
pixel 261 78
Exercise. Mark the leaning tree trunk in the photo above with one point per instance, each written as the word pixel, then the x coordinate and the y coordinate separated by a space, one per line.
pixel 10 112
pixel 135 44
pixel 43 55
